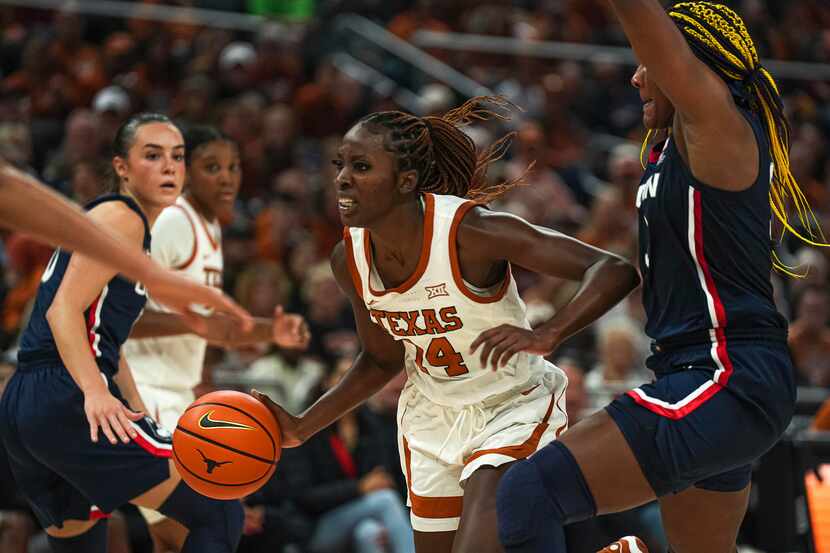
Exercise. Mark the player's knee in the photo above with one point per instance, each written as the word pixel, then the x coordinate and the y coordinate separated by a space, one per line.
pixel 546 489
pixel 225 519
pixel 520 503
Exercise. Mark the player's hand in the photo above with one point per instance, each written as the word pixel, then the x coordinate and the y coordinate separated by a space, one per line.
pixel 290 331
pixel 375 480
pixel 115 419
pixel 178 293
pixel 500 344
pixel 289 424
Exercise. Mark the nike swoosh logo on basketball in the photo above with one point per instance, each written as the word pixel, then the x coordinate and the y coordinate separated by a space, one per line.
pixel 206 422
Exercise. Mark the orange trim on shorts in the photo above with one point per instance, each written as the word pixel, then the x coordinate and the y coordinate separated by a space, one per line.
pixel 426 246
pixel 187 263
pixel 531 444
pixel 429 507
pixel 350 262
pixel 456 266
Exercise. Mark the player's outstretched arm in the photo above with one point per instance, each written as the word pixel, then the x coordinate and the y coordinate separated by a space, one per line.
pixel 694 89
pixel 28 206
pixel 380 360
pixel 605 279
pixel 286 330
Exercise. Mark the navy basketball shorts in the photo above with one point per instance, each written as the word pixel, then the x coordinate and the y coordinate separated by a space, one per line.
pixel 708 415
pixel 60 471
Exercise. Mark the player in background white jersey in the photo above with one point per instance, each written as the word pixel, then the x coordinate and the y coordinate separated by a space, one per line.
pixel 432 272
pixel 165 356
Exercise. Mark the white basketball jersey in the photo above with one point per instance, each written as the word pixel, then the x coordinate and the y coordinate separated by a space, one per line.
pixel 437 316
pixel 183 241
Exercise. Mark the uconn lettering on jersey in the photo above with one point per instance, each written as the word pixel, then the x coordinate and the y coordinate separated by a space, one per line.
pixel 648 189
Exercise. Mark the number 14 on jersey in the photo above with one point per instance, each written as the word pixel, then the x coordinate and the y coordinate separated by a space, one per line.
pixel 441 356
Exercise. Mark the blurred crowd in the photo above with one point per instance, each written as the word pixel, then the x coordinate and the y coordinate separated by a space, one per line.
pixel 68 80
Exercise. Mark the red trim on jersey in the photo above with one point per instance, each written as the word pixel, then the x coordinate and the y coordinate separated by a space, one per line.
pixel 186 264
pixel 720 350
pixel 91 324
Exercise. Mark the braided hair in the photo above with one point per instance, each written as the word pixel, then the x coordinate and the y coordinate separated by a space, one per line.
pixel 719 38
pixel 443 156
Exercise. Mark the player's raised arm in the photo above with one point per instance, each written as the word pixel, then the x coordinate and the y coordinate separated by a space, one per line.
pixel 694 89
pixel 379 361
pixel 604 278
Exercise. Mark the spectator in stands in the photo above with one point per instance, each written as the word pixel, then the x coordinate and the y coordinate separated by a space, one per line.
pixel 809 336
pixel 384 406
pixel 577 403
pixel 81 142
pixel 339 475
pixel 620 364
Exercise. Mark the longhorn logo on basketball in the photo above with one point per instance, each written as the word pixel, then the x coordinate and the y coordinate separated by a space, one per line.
pixel 207 422
pixel 437 291
pixel 211 465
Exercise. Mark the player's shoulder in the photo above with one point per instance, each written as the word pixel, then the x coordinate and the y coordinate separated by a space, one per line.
pixel 337 259
pixel 480 223
pixel 175 218
pixel 341 270
pixel 119 216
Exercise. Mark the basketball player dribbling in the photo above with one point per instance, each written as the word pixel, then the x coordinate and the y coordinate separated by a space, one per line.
pixel 28 206
pixel 427 270
pixel 68 389
pixel 717 172
pixel 164 356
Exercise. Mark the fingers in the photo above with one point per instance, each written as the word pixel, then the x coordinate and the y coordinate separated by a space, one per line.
pixel 278 312
pixel 262 397
pixel 105 428
pixel 510 352
pixel 480 339
pixel 496 340
pixel 117 421
pixel 93 430
pixel 498 358
pixel 134 415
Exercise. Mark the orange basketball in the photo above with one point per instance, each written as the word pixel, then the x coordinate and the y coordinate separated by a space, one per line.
pixel 226 445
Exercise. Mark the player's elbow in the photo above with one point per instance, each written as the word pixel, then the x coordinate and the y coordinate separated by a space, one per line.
pixel 57 312
pixel 624 272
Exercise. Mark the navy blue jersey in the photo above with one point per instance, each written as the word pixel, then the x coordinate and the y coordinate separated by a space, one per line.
pixel 705 254
pixel 109 318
